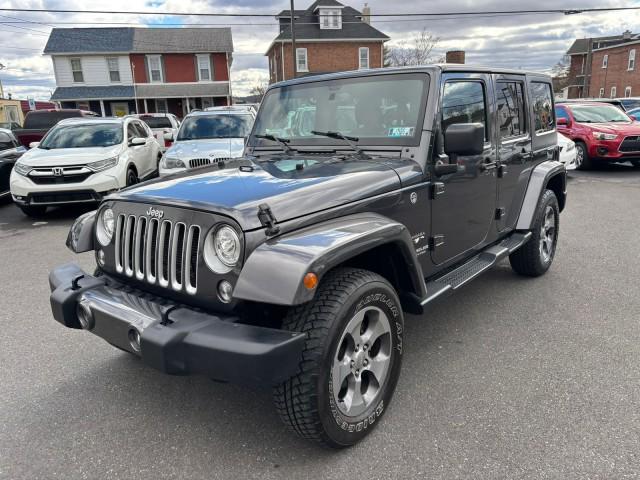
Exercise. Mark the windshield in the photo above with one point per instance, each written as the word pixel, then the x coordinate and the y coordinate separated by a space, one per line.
pixel 598 114
pixel 83 136
pixel 215 126
pixel 156 122
pixel 378 110
pixel 630 103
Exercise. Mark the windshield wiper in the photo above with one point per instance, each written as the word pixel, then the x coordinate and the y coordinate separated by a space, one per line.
pixel 346 138
pixel 282 141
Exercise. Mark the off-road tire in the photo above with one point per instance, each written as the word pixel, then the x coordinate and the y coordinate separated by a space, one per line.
pixel 306 402
pixel 587 162
pixel 529 260
pixel 33 211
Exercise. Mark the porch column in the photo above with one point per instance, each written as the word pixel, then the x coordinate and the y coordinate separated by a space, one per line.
pixel 102 108
pixel 188 105
pixel 146 110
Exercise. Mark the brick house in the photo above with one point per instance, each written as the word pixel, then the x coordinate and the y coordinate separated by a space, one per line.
pixel 604 67
pixel 330 37
pixel 117 71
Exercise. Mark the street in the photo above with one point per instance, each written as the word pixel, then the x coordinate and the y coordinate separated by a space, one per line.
pixel 510 378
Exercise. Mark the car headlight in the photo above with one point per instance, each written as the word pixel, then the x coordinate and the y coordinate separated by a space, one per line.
pixel 604 136
pixel 171 162
pixel 101 165
pixel 105 227
pixel 222 249
pixel 22 169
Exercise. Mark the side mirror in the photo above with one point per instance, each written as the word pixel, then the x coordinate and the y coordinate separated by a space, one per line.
pixel 34 144
pixel 464 139
pixel 137 141
pixel 168 136
pixel 562 122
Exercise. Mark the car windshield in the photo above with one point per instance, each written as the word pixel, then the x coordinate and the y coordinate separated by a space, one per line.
pixel 83 136
pixel 378 110
pixel 156 122
pixel 201 127
pixel 631 103
pixel 598 114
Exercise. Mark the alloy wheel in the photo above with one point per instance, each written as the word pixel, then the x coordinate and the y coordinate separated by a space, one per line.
pixel 548 235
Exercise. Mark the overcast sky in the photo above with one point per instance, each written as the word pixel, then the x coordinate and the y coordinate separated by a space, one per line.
pixel 528 41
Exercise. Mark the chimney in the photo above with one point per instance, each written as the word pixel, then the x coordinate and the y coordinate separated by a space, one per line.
pixel 626 35
pixel 455 56
pixel 366 13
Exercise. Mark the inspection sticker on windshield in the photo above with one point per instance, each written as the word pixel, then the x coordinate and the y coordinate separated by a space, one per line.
pixel 400 132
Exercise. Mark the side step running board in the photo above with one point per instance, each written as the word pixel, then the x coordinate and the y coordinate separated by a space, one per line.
pixel 473 267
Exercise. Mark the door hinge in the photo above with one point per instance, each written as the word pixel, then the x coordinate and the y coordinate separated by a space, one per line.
pixel 436 241
pixel 500 212
pixel 437 189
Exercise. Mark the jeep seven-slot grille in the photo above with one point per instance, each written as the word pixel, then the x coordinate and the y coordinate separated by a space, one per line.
pixel 158 251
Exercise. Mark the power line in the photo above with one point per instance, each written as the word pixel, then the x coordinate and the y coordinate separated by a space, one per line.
pixel 572 11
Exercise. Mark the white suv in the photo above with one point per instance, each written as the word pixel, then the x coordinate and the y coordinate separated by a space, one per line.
pixel 80 160
pixel 214 135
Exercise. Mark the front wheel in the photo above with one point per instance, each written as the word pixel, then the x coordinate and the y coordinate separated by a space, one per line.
pixel 583 160
pixel 351 361
pixel 132 177
pixel 534 257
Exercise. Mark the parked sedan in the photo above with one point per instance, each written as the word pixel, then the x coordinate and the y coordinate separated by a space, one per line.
pixel 81 160
pixel 601 132
pixel 215 135
pixel 10 151
pixel 567 149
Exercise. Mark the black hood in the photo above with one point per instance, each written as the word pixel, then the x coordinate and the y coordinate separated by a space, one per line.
pixel 292 186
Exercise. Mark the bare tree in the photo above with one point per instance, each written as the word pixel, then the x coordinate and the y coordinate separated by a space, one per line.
pixel 259 90
pixel 417 51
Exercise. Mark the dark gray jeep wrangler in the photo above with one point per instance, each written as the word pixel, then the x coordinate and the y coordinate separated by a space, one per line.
pixel 362 196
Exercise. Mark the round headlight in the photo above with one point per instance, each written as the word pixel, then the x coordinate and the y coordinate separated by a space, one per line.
pixel 105 227
pixel 227 246
pixel 222 249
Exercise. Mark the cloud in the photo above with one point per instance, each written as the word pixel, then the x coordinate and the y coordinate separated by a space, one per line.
pixel 531 41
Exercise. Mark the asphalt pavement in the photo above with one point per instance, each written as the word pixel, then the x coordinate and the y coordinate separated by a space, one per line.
pixel 510 378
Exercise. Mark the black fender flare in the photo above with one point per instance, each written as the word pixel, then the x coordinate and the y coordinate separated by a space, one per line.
pixel 274 272
pixel 550 173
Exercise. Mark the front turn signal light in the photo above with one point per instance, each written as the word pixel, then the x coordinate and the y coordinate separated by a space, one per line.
pixel 310 281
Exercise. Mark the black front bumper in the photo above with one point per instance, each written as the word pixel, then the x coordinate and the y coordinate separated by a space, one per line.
pixel 174 338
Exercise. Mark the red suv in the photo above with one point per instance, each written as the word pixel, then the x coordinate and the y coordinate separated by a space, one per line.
pixel 602 132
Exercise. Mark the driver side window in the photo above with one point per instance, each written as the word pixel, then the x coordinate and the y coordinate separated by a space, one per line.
pixel 131 132
pixel 464 102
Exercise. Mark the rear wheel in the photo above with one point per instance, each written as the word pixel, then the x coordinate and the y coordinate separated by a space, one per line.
pixel 351 361
pixel 34 211
pixel 583 161
pixel 535 257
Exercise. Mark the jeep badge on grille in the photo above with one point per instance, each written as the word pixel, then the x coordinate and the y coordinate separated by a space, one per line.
pixel 152 212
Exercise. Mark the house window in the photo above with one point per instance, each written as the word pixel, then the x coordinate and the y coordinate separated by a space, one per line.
pixel 114 69
pixel 330 19
pixel 582 66
pixel 301 60
pixel 155 68
pixel 76 70
pixel 204 68
pixel 363 55
pixel 627 92
pixel 605 61
pixel 613 92
pixel 161 105
pixel 632 60
pixel 601 93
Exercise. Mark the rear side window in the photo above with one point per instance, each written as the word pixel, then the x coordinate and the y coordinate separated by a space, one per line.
pixel 464 102
pixel 542 103
pixel 510 109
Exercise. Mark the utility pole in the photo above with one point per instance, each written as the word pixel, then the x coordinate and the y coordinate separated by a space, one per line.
pixel 293 42
pixel 2 67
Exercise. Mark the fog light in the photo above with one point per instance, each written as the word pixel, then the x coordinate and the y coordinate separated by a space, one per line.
pixel 225 291
pixel 134 339
pixel 101 258
pixel 85 317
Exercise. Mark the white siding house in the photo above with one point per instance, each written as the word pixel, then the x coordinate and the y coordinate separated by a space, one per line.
pixel 95 70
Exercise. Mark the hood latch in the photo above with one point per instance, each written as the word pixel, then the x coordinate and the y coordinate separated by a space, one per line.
pixel 267 219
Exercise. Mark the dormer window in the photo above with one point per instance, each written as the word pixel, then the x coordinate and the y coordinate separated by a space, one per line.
pixel 330 18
